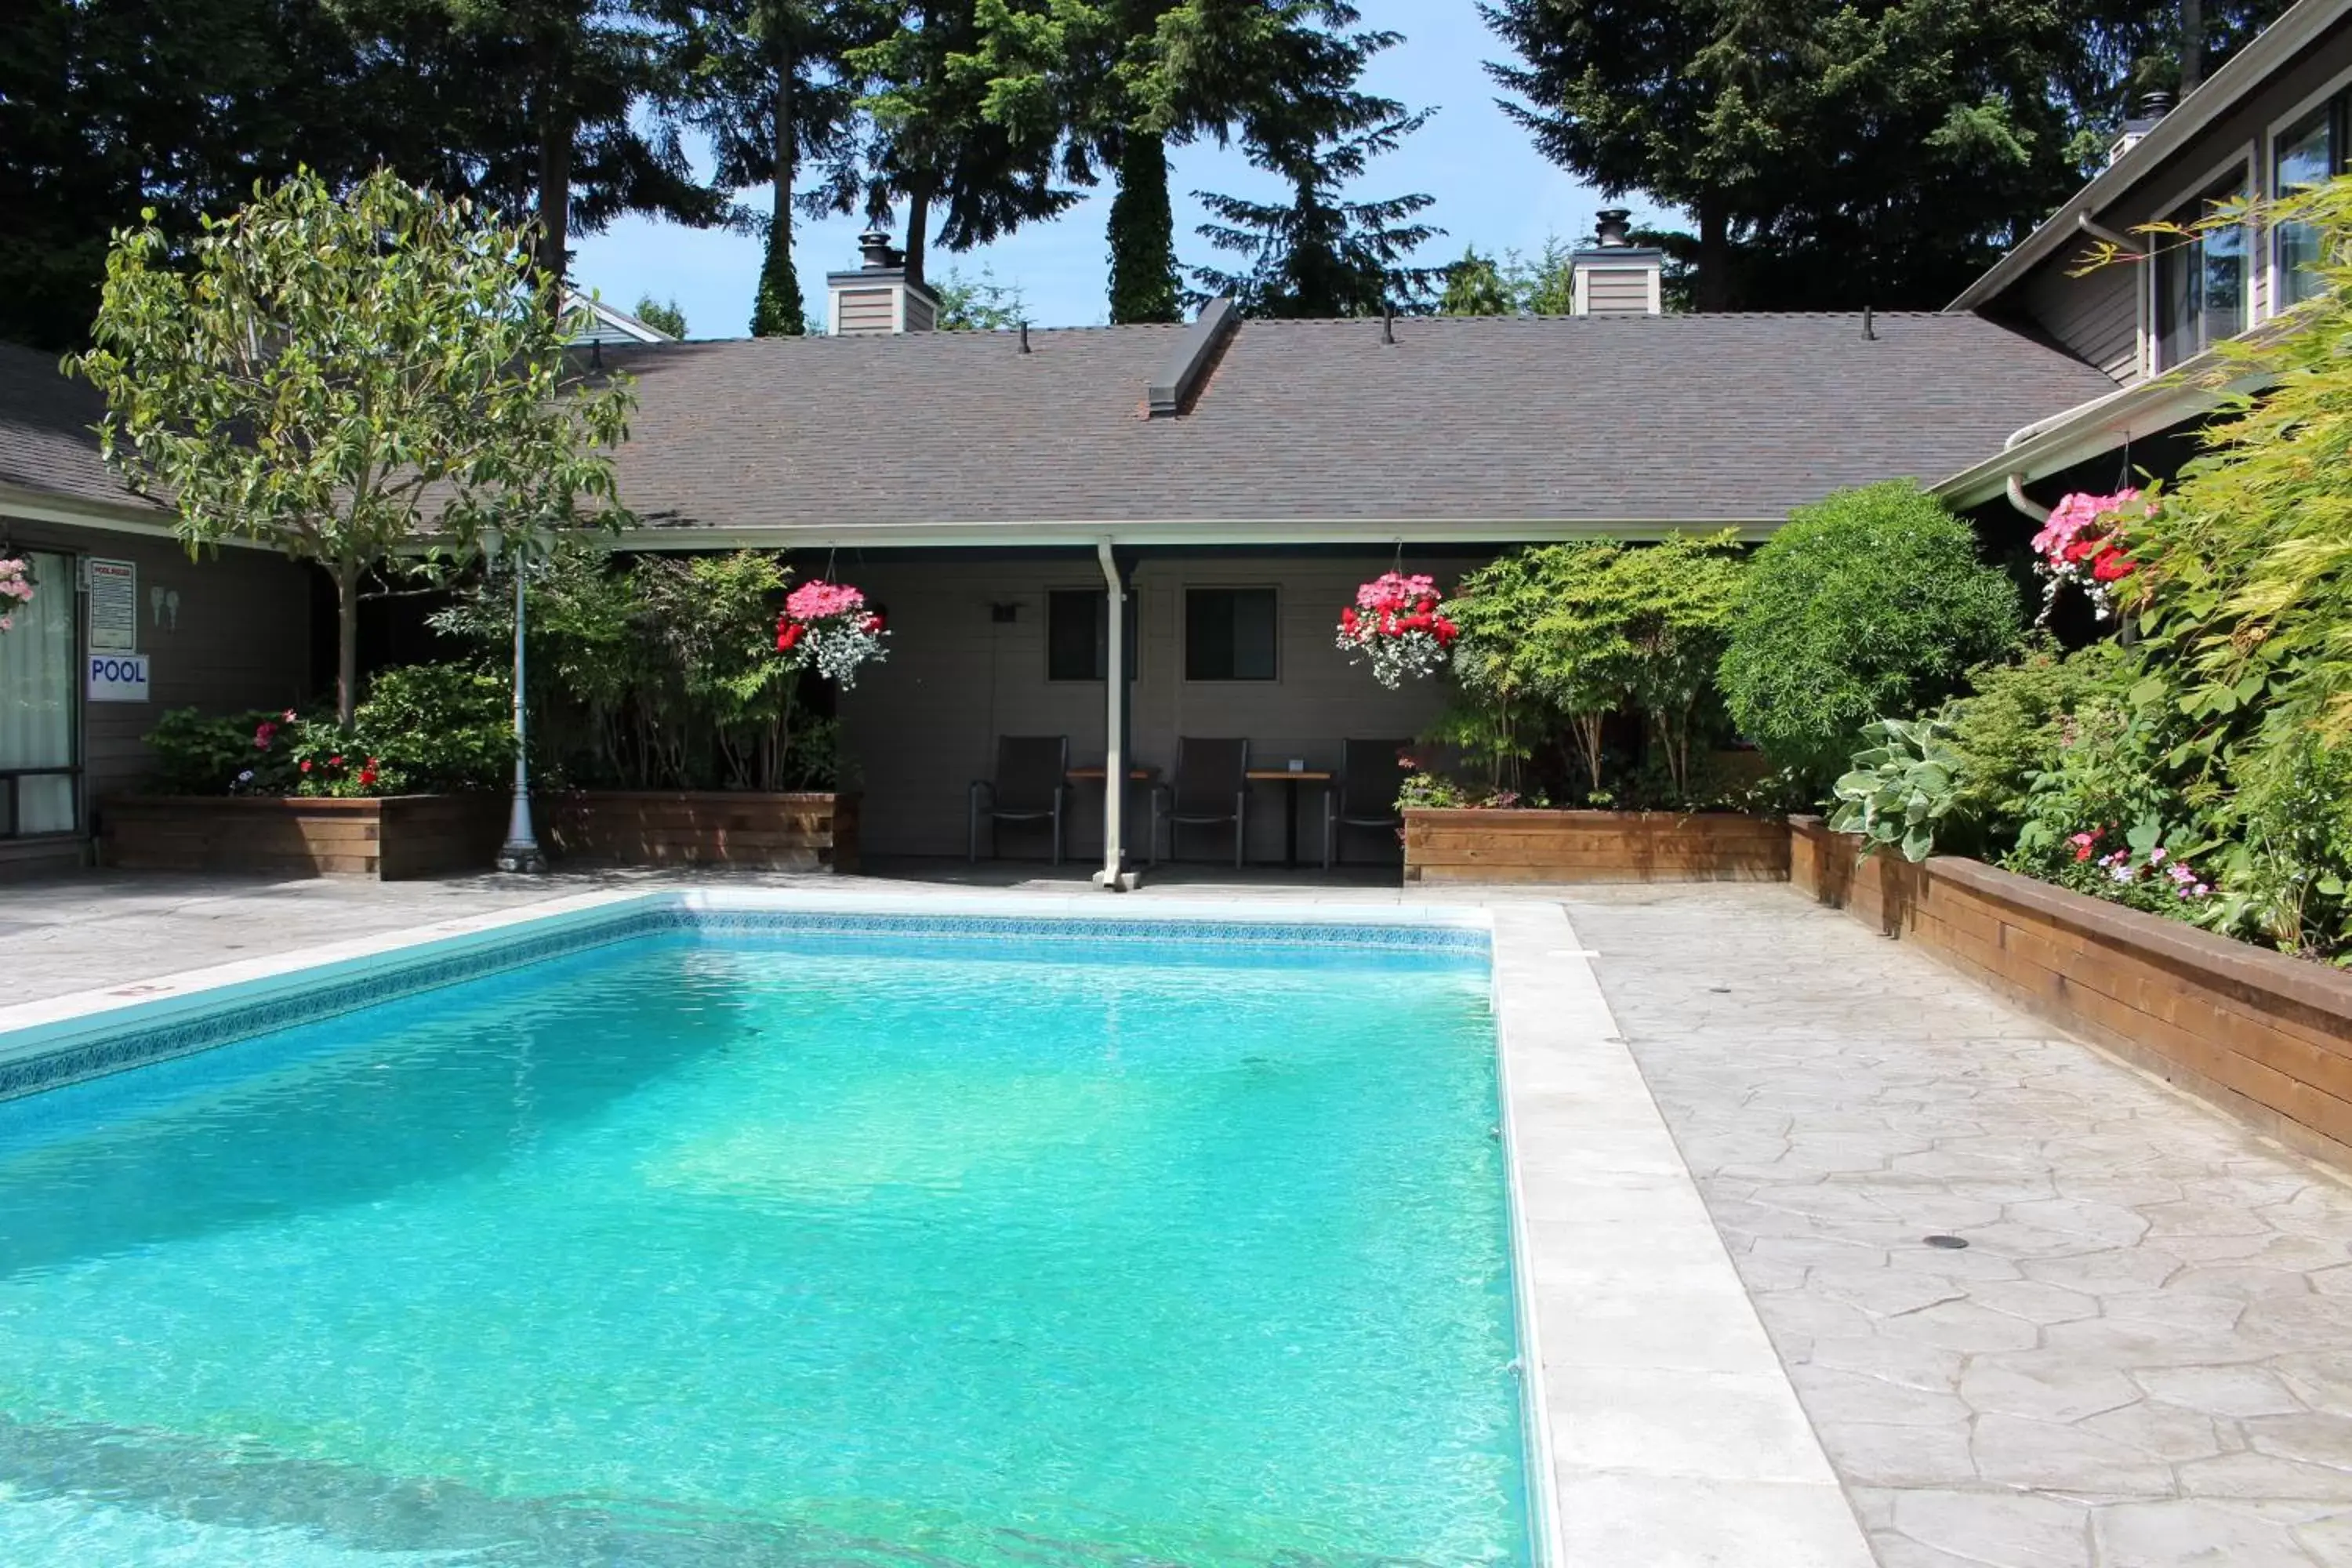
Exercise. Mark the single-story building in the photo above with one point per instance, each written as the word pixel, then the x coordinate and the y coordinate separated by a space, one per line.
pixel 1191 506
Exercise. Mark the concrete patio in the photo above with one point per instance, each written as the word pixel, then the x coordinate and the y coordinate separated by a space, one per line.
pixel 2141 1357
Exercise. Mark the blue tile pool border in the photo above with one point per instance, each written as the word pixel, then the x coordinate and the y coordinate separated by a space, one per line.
pixel 33 1060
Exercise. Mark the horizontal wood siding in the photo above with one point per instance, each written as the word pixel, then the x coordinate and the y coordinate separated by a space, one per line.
pixel 782 832
pixel 1617 291
pixel 920 728
pixel 2096 316
pixel 2264 1037
pixel 864 310
pixel 240 639
pixel 393 840
pixel 1593 846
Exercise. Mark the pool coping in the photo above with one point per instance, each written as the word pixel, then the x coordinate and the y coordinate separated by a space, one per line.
pixel 1661 1429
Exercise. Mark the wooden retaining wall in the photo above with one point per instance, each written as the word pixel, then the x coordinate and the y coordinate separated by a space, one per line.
pixel 394 838
pixel 2265 1036
pixel 1593 846
pixel 787 832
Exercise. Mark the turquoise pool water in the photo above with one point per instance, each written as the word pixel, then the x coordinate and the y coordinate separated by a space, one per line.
pixel 749 1251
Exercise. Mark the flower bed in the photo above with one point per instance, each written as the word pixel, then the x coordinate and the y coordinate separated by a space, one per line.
pixel 1481 845
pixel 2265 1036
pixel 798 831
pixel 389 837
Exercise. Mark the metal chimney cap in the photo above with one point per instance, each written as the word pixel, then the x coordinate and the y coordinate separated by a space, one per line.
pixel 1614 226
pixel 2155 104
pixel 875 246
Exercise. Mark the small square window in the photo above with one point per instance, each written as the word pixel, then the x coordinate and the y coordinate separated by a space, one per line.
pixel 1229 634
pixel 1078 635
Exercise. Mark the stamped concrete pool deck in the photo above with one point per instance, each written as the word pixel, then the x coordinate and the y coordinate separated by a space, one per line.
pixel 2141 1358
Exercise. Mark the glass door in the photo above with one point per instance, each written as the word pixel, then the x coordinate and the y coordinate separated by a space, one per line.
pixel 38 765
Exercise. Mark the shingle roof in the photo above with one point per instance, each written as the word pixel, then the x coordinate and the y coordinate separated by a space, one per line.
pixel 1677 418
pixel 1688 419
pixel 47 442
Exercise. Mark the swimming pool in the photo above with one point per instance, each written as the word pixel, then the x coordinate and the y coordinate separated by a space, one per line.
pixel 781 1239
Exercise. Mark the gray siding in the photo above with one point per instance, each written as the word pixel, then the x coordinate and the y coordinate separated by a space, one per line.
pixel 922 726
pixel 864 310
pixel 2099 316
pixel 921 316
pixel 242 639
pixel 1618 291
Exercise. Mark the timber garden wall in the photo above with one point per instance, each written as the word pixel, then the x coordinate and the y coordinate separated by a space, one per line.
pixel 798 831
pixel 390 838
pixel 1515 845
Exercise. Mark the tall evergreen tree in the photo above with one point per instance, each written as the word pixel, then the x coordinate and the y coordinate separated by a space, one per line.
pixel 764 79
pixel 1882 152
pixel 1320 253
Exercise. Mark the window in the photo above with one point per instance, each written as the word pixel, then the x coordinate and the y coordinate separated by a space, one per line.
pixel 38 667
pixel 2201 284
pixel 2309 153
pixel 1078 635
pixel 1229 634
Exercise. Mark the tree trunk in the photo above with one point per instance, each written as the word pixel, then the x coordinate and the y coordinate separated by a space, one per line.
pixel 555 132
pixel 2192 45
pixel 777 313
pixel 347 645
pixel 1142 234
pixel 1711 289
pixel 918 225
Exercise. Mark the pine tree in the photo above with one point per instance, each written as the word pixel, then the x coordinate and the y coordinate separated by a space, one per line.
pixel 1321 253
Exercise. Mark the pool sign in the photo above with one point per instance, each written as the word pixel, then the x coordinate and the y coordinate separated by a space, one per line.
pixel 118 678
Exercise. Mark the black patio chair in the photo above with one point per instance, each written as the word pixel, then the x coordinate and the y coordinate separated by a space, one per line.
pixel 1369 777
pixel 1032 784
pixel 1211 790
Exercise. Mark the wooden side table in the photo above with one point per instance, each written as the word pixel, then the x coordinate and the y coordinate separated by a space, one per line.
pixel 1291 778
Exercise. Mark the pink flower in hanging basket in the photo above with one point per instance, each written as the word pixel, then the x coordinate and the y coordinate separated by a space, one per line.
pixel 1397 627
pixel 827 625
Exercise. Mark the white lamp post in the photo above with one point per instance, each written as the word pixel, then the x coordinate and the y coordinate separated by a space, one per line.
pixel 520 852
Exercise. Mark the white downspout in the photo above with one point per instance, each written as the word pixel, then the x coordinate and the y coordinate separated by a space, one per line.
pixel 1114 876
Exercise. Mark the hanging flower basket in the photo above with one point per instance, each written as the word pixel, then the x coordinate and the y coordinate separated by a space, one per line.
pixel 2084 544
pixel 16 589
pixel 1397 626
pixel 827 625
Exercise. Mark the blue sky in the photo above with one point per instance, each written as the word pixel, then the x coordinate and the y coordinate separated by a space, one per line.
pixel 1492 188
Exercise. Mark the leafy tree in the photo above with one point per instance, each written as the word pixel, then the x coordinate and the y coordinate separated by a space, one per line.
pixel 349 379
pixel 1868 603
pixel 1675 601
pixel 663 316
pixel 979 304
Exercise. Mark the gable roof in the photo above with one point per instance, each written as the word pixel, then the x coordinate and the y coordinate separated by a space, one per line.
pixel 1523 427
pixel 48 445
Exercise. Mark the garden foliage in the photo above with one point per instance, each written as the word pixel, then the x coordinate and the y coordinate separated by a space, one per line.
pixel 1868 603
pixel 423 729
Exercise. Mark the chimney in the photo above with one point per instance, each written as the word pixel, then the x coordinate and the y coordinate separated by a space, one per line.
pixel 1614 277
pixel 2154 105
pixel 879 298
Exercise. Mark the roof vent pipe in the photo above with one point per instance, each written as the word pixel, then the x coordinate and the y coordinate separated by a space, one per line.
pixel 1388 323
pixel 1024 337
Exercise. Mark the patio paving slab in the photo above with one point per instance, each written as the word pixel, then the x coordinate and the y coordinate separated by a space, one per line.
pixel 2143 1356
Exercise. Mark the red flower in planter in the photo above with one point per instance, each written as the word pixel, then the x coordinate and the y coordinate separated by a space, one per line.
pixel 790 637
pixel 306 764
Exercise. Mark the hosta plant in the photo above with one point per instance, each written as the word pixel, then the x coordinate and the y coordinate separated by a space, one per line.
pixel 1899 791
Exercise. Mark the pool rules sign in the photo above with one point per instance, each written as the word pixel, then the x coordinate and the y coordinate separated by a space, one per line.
pixel 117 672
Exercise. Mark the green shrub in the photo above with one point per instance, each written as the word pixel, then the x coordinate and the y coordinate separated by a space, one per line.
pixel 234 753
pixel 1870 603
pixel 435 728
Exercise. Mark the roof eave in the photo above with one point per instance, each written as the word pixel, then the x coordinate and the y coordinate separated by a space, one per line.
pixel 1380 533
pixel 2221 92
pixel 127 516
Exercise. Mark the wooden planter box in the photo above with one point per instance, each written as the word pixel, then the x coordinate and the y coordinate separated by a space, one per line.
pixel 796 831
pixel 2263 1035
pixel 394 838
pixel 1593 846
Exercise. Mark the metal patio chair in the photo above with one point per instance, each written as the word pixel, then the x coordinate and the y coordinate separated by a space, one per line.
pixel 1211 790
pixel 1032 784
pixel 1366 794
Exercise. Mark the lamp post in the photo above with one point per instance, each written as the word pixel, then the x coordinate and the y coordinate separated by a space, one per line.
pixel 520 852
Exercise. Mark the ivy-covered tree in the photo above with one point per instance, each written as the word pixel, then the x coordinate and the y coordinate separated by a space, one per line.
pixel 349 379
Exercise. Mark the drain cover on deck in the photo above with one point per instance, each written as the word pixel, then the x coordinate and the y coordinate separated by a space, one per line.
pixel 1948 1242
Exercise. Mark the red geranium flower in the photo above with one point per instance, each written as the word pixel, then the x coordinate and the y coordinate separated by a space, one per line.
pixel 306 764
pixel 2112 566
pixel 788 636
